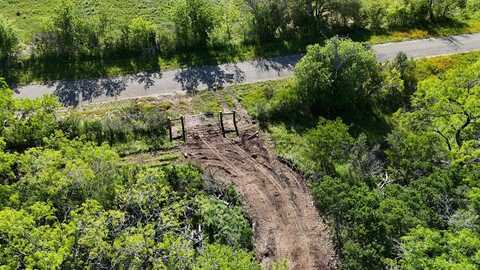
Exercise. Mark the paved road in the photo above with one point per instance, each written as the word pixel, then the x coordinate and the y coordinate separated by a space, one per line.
pixel 187 79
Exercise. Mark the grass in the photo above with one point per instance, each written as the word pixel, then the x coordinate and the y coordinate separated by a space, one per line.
pixel 463 26
pixel 28 15
pixel 436 66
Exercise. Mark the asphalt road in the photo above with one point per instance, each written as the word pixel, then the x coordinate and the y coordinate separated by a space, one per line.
pixel 183 80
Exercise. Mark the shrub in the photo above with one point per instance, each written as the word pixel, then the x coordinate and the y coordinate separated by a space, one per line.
pixel 337 76
pixel 140 37
pixel 119 126
pixel 473 7
pixel 9 41
pixel 194 21
pixel 33 121
pixel 374 14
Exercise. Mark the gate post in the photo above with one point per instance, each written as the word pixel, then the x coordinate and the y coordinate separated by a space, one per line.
pixel 221 124
pixel 235 122
pixel 183 129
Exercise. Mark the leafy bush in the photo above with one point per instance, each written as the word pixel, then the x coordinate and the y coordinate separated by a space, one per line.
pixel 30 122
pixel 133 122
pixel 224 224
pixel 473 7
pixel 335 77
pixel 225 258
pixel 139 37
pixel 194 22
pixel 9 41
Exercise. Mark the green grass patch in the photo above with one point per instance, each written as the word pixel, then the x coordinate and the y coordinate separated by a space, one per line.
pixel 254 97
pixel 436 66
pixel 28 15
pixel 463 26
pixel 206 101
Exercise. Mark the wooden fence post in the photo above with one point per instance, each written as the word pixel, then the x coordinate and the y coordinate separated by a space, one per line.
pixel 235 123
pixel 183 129
pixel 221 124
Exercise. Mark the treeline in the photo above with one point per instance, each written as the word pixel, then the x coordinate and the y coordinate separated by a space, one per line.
pixel 310 18
pixel 392 162
pixel 194 25
pixel 68 201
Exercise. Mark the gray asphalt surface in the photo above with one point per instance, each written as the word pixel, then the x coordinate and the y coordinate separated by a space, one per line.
pixel 185 80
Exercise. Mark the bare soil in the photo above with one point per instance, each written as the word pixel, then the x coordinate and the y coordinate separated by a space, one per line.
pixel 285 221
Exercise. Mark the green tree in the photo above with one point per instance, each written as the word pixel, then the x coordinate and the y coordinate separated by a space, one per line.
pixel 374 14
pixel 216 256
pixel 450 107
pixel 327 145
pixel 269 17
pixel 433 249
pixel 6 104
pixel 67 176
pixel 9 41
pixel 223 224
pixel 194 22
pixel 337 76
pixel 71 32
pixel 27 242
pixel 399 83
pixel 140 36
pixel 33 120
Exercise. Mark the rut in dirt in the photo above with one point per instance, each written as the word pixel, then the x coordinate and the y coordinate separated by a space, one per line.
pixel 285 221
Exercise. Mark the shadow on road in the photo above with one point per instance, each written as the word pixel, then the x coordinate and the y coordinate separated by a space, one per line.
pixel 73 92
pixel 279 63
pixel 210 77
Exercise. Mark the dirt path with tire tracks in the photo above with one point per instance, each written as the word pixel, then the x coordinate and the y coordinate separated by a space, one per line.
pixel 286 223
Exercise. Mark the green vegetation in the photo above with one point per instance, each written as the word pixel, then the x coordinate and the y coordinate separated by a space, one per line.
pixel 72 39
pixel 392 164
pixel 9 41
pixel 69 201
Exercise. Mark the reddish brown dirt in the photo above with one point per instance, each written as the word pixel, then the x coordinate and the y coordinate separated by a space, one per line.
pixel 286 223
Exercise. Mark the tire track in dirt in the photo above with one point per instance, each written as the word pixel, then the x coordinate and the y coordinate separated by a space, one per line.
pixel 286 223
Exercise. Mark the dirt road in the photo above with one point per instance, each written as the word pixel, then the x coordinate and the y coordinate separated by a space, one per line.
pixel 286 223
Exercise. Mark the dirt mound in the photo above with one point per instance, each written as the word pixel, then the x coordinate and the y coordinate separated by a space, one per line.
pixel 286 223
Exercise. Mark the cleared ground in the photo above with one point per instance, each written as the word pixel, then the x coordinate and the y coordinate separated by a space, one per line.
pixel 286 223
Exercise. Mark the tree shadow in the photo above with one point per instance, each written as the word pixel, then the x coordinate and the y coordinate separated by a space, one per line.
pixel 74 92
pixel 71 81
pixel 147 79
pixel 282 63
pixel 209 77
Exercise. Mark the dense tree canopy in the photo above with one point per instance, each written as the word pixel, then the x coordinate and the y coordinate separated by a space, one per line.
pixel 67 201
pixel 406 197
